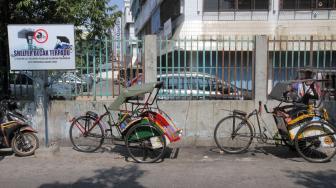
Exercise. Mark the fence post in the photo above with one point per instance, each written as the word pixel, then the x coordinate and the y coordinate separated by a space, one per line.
pixel 150 48
pixel 261 69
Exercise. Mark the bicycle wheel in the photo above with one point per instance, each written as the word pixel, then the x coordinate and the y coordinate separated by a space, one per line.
pixel 233 134
pixel 315 141
pixel 145 143
pixel 85 136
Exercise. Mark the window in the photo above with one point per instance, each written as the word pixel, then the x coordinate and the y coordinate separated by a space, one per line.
pixel 244 4
pixel 210 6
pixel 323 4
pixel 288 4
pixel 261 4
pixel 304 4
pixel 227 5
pixel 307 4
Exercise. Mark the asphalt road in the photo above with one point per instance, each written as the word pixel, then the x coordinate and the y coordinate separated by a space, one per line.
pixel 266 166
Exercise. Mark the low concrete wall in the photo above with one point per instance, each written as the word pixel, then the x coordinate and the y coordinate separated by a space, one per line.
pixel 197 118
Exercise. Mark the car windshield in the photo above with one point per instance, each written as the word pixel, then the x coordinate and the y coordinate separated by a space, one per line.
pixel 192 83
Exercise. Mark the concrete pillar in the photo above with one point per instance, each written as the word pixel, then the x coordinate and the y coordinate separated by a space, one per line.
pixel 150 48
pixel 261 69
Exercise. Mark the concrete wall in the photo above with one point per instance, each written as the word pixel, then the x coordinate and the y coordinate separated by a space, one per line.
pixel 196 118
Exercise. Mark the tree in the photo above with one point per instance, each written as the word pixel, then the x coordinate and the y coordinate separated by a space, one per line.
pixel 92 19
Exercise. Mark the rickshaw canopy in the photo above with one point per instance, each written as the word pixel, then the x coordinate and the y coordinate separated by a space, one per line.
pixel 278 90
pixel 133 91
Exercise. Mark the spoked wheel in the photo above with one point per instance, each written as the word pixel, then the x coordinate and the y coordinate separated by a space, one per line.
pixel 316 141
pixel 25 144
pixel 233 134
pixel 145 143
pixel 85 136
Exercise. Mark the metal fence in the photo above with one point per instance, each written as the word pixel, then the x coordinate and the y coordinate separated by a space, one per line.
pixel 103 67
pixel 111 64
pixel 191 68
pixel 288 57
pixel 195 68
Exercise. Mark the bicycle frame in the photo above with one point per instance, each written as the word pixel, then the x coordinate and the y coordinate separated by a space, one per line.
pixel 84 130
pixel 256 113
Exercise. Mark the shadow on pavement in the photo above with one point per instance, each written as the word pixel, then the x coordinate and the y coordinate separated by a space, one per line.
pixel 277 151
pixel 282 152
pixel 317 179
pixel 121 150
pixel 113 177
pixel 3 154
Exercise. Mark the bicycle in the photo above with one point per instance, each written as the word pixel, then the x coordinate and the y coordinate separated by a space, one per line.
pixel 309 132
pixel 145 138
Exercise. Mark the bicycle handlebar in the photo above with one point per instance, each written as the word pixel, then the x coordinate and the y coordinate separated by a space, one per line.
pixel 159 85
pixel 260 108
pixel 266 109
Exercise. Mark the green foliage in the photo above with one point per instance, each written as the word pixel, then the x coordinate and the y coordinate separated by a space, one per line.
pixel 92 18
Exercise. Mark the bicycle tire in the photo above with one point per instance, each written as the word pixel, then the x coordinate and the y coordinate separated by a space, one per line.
pixel 224 145
pixel 138 146
pixel 97 132
pixel 316 143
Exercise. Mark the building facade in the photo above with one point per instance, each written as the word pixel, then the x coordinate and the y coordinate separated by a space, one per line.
pixel 234 17
pixel 215 38
pixel 130 40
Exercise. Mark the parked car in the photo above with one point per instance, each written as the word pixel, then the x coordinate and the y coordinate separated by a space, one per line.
pixel 108 73
pixel 195 85
pixel 64 86
pixel 78 84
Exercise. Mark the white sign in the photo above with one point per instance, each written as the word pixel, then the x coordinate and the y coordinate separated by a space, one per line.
pixel 167 28
pixel 117 37
pixel 41 47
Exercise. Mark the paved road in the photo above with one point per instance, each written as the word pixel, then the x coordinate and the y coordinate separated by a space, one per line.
pixel 266 166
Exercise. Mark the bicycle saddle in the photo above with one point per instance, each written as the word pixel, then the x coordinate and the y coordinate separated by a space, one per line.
pixel 91 114
pixel 239 112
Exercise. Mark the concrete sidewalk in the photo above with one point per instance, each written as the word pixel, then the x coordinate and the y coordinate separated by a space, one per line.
pixel 263 166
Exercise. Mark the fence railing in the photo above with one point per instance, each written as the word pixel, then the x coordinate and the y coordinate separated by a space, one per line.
pixel 194 68
pixel 111 65
pixel 290 57
pixel 102 68
pixel 191 68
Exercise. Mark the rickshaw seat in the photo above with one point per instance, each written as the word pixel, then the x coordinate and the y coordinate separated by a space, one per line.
pixel 239 112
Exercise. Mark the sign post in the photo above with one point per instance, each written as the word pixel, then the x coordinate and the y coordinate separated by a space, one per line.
pixel 42 48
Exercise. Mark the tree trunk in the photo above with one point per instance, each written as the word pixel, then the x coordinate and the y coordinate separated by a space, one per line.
pixel 4 58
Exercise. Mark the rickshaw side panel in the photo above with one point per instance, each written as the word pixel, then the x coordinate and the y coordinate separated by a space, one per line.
pixel 143 132
pixel 165 124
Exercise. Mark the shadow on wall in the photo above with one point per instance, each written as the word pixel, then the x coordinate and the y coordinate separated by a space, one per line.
pixel 113 177
pixel 317 179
